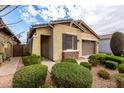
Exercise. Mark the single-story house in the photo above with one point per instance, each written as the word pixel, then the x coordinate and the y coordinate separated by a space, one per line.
pixel 104 45
pixel 7 41
pixel 63 39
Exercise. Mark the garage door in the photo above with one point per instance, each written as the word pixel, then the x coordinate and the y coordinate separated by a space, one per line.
pixel 88 47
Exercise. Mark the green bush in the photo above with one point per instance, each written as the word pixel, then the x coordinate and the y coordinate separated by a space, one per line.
pixel 30 76
pixel 121 68
pixel 117 43
pixel 46 85
pixel 101 58
pixel 96 59
pixel 26 54
pixel 109 54
pixel 93 59
pixel 111 64
pixel 30 60
pixel 120 80
pixel 86 64
pixel 70 75
pixel 69 60
pixel 117 59
pixel 104 74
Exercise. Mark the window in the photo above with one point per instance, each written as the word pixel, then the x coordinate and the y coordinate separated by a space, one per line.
pixel 69 42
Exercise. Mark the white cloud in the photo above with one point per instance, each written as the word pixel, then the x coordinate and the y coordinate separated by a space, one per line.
pixel 102 19
pixel 28 15
pixel 76 12
pixel 53 13
pixel 32 10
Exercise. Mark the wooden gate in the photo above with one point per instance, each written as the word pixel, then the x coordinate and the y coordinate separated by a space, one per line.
pixel 17 50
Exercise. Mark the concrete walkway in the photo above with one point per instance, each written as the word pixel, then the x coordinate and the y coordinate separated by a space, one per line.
pixel 48 63
pixel 9 67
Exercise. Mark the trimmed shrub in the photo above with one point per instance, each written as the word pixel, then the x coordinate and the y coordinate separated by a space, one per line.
pixel 109 54
pixel 70 75
pixel 26 54
pixel 96 59
pixel 93 59
pixel 46 85
pixel 121 68
pixel 69 60
pixel 117 43
pixel 101 58
pixel 30 76
pixel 120 80
pixel 86 64
pixel 104 74
pixel 117 59
pixel 111 64
pixel 30 60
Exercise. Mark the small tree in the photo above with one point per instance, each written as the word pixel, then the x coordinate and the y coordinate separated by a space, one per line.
pixel 117 43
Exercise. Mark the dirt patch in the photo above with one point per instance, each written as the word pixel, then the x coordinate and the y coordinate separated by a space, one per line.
pixel 99 82
pixel 48 79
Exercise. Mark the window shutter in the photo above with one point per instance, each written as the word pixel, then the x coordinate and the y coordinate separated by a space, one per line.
pixel 63 41
pixel 75 42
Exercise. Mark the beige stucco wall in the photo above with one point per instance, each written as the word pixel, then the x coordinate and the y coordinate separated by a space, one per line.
pixel 55 42
pixel 36 44
pixel 57 39
pixel 7 44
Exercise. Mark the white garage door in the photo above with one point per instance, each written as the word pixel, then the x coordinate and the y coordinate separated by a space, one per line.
pixel 88 47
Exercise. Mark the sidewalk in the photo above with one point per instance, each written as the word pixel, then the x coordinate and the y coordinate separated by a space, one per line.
pixel 9 67
pixel 48 63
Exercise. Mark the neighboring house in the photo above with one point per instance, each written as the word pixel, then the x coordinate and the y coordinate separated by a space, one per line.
pixel 7 41
pixel 62 39
pixel 104 46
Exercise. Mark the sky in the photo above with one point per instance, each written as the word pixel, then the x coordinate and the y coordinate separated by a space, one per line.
pixel 103 19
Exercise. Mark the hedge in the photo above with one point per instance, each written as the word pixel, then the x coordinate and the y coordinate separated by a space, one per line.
pixel 26 54
pixel 120 80
pixel 31 76
pixel 96 59
pixel 104 74
pixel 121 68
pixel 69 60
pixel 111 64
pixel 30 60
pixel 115 58
pixel 46 85
pixel 70 75
pixel 86 64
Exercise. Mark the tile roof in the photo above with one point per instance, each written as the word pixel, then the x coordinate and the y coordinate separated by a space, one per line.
pixel 53 22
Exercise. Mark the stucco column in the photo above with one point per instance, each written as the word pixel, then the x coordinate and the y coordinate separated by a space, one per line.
pixel 36 48
pixel 97 47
